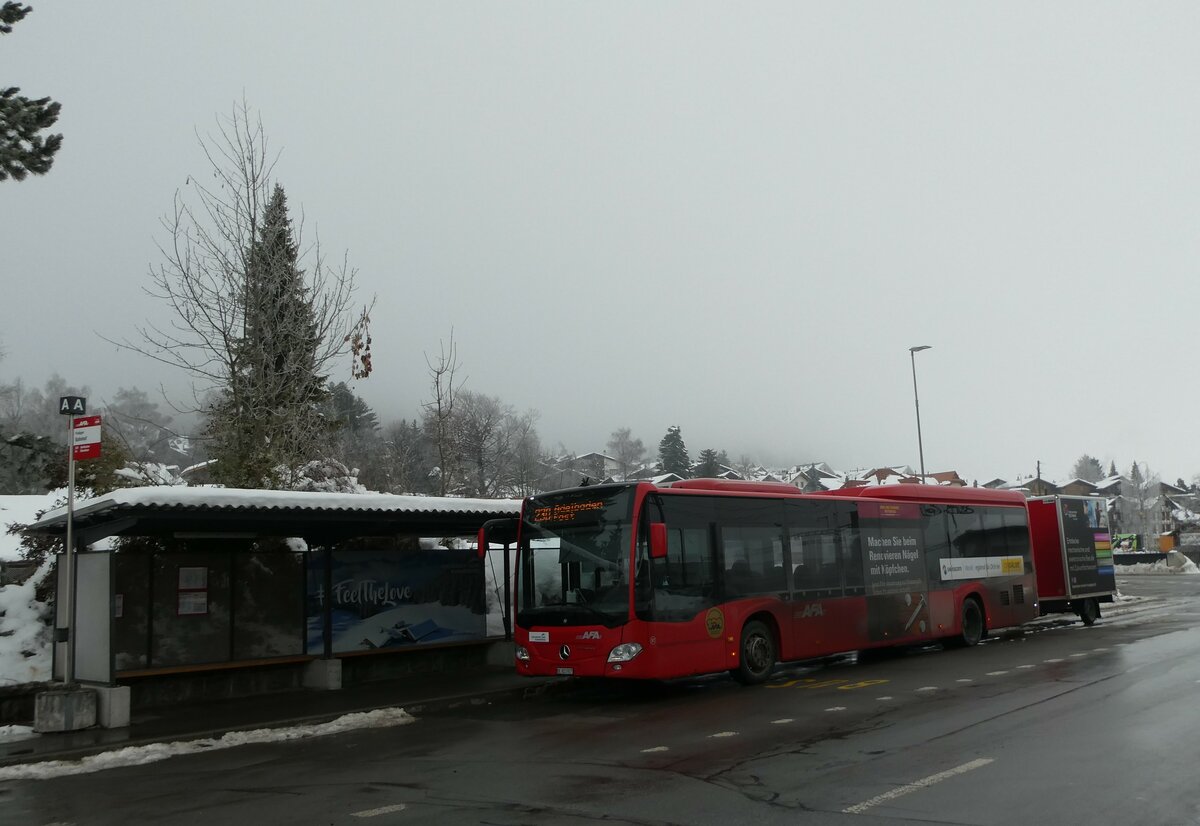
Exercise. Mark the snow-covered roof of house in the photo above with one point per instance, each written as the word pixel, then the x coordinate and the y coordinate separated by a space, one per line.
pixel 208 506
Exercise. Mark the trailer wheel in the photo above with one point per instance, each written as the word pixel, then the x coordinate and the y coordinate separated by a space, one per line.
pixel 756 658
pixel 1089 612
pixel 972 623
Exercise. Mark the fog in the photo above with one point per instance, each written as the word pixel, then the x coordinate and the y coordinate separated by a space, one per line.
pixel 735 220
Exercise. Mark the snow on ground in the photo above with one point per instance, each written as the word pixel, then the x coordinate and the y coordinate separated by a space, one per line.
pixel 1159 567
pixel 153 752
pixel 25 655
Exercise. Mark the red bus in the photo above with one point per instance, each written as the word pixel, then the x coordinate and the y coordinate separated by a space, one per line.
pixel 704 576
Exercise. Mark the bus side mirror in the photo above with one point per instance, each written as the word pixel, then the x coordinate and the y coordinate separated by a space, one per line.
pixel 499 531
pixel 658 540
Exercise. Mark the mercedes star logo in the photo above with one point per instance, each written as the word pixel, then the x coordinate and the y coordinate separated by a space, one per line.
pixel 564 652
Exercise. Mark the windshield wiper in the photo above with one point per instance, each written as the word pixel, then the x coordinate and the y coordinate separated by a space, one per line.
pixel 607 620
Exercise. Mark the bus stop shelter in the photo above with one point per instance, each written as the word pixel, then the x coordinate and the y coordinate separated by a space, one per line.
pixel 189 593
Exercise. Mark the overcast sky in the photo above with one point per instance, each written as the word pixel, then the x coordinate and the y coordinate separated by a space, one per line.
pixel 732 218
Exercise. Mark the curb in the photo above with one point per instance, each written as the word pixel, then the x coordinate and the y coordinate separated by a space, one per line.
pixel 14 754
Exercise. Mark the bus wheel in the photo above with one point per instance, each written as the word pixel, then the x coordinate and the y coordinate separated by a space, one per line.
pixel 757 655
pixel 1089 611
pixel 972 623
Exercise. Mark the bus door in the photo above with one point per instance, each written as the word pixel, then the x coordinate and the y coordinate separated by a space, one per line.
pixel 823 575
pixel 677 594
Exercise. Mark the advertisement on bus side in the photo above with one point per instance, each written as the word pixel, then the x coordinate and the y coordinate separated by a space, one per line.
pixel 896 584
pixel 1087 545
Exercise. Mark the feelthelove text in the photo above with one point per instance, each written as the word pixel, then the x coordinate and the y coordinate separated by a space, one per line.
pixel 370 592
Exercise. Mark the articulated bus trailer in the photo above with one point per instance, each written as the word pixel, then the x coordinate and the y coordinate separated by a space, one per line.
pixel 1072 554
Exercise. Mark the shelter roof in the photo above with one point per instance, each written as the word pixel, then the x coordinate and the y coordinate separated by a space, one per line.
pixel 175 509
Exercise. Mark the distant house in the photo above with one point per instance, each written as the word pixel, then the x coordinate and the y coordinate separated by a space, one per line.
pixel 893 475
pixel 1040 487
pixel 597 466
pixel 885 476
pixel 1078 487
pixel 814 478
pixel 949 478
pixel 647 472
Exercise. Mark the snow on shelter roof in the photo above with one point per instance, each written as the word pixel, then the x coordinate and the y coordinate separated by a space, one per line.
pixel 271 505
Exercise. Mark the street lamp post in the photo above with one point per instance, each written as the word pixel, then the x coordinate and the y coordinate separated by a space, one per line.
pixel 912 354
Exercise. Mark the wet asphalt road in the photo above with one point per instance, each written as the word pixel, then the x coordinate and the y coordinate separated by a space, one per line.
pixel 1061 724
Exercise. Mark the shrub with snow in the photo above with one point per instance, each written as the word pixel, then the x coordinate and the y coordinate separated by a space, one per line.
pixel 25 631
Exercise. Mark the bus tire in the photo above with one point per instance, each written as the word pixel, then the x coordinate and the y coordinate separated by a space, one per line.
pixel 756 655
pixel 1089 612
pixel 973 626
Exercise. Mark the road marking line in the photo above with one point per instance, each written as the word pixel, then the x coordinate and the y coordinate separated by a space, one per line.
pixel 784 720
pixel 836 708
pixel 654 749
pixel 382 810
pixel 1026 666
pixel 824 683
pixel 1099 649
pixel 723 734
pixel 996 673
pixel 1053 660
pixel 928 688
pixel 965 680
pixel 1080 654
pixel 923 783
pixel 888 698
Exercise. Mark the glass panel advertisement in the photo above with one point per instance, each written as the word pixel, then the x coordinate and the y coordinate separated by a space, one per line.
pixel 897 593
pixel 390 599
pixel 1088 546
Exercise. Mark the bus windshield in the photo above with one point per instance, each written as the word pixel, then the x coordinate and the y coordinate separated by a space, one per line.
pixel 574 558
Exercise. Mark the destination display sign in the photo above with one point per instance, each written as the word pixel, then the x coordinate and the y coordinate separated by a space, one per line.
pixel 567 512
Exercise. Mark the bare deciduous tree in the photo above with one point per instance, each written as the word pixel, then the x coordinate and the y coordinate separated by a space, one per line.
pixel 629 452
pixel 406 467
pixel 439 413
pixel 216 236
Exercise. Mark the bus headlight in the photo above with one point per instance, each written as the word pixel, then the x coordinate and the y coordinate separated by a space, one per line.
pixel 522 653
pixel 625 652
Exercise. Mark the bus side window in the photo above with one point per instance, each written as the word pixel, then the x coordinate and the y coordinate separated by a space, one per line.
pixel 965 532
pixel 852 562
pixel 937 540
pixel 995 540
pixel 753 560
pixel 1016 528
pixel 816 564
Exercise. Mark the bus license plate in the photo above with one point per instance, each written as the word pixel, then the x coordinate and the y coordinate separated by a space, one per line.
pixel 566 672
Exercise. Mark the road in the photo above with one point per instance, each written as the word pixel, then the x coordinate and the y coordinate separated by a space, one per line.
pixel 1060 724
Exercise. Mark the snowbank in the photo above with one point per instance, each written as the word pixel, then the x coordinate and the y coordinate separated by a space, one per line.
pixel 1159 567
pixel 141 755
pixel 25 655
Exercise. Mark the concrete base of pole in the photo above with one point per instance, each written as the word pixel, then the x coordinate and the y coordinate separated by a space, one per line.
pixel 64 709
pixel 112 706
pixel 323 674
pixel 501 653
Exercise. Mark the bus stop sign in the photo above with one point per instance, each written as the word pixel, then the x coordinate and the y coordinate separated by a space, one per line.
pixel 86 437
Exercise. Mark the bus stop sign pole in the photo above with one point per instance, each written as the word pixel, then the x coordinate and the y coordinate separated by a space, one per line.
pixel 70 406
